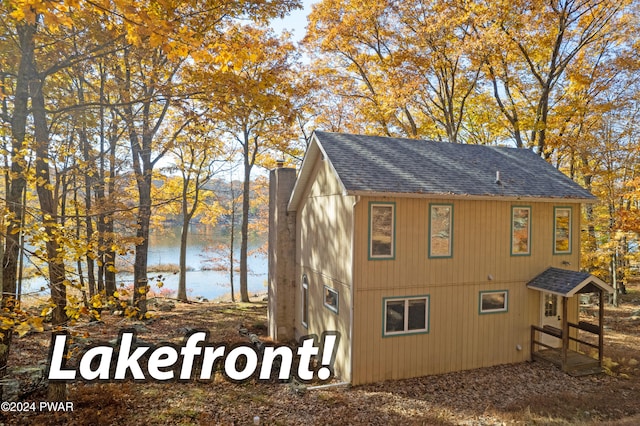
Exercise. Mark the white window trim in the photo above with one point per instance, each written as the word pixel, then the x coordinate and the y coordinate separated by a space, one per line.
pixel 406 300
pixel 494 311
pixel 305 288
pixel 337 298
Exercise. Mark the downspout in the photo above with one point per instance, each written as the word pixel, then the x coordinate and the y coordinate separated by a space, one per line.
pixel 353 268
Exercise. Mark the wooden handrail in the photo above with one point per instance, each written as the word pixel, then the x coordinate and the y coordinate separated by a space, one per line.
pixel 553 332
pixel 586 326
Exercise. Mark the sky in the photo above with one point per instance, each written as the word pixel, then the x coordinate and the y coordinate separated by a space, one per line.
pixel 296 22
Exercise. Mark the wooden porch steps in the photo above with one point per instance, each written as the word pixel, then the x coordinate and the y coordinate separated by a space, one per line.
pixel 585 371
pixel 578 364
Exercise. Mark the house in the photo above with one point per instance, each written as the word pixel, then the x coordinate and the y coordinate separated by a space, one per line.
pixel 429 257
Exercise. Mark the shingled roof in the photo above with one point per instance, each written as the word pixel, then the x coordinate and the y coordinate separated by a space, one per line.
pixel 383 166
pixel 567 283
pixel 372 164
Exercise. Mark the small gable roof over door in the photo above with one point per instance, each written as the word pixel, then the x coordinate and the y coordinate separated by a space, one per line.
pixel 567 283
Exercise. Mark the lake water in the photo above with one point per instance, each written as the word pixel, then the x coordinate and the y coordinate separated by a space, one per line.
pixel 164 248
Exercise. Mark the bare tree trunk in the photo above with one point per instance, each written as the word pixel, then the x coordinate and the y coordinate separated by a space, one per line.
pixel 140 278
pixel 48 206
pixel 244 233
pixel 18 182
pixel 231 241
pixel 110 253
pixel 57 391
pixel 88 189
pixel 182 281
pixel 16 187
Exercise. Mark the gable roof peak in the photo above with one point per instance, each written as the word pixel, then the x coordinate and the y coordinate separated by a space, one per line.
pixel 385 166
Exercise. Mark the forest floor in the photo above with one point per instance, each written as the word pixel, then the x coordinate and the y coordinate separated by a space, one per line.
pixel 526 393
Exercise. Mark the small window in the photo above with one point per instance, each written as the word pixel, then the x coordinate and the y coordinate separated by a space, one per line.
pixel 494 301
pixel 521 231
pixel 305 301
pixel 550 305
pixel 406 315
pixel 381 230
pixel 331 299
pixel 562 230
pixel 440 230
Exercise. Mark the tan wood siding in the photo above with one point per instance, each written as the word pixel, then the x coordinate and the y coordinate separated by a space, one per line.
pixel 459 337
pixel 324 239
pixel 481 245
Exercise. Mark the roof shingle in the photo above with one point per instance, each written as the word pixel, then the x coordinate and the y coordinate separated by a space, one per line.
pixel 374 164
pixel 567 283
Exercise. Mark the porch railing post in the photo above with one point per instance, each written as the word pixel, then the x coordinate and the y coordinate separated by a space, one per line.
pixel 565 332
pixel 601 326
pixel 533 339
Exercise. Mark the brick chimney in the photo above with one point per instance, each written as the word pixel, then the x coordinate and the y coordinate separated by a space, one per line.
pixel 282 255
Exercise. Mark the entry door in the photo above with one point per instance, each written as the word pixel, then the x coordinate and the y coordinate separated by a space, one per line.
pixel 551 314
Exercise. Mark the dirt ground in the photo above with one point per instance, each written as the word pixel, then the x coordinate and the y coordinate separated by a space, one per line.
pixel 527 393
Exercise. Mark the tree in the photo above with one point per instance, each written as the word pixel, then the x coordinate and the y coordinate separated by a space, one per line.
pixel 354 52
pixel 530 44
pixel 225 211
pixel 152 81
pixel 196 155
pixel 251 103
pixel 408 67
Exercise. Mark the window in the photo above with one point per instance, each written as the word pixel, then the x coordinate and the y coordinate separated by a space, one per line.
pixel 331 299
pixel 550 305
pixel 381 230
pixel 494 301
pixel 520 231
pixel 305 301
pixel 406 315
pixel 440 230
pixel 562 230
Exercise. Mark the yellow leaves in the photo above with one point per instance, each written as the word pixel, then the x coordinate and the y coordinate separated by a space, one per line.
pixel 177 50
pixel 22 329
pixel 156 40
pixel 97 302
pixel 55 14
pixel 46 311
pixel 14 319
pixel 202 56
pixel 36 324
pixel 6 323
pixel 19 14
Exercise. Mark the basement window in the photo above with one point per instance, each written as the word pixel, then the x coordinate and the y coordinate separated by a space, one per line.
pixel 381 230
pixel 405 315
pixel 331 299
